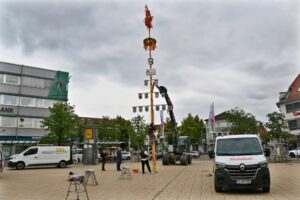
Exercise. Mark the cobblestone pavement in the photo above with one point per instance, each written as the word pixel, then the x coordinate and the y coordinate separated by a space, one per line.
pixel 171 182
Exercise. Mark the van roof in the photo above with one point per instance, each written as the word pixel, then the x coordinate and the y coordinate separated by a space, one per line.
pixel 237 136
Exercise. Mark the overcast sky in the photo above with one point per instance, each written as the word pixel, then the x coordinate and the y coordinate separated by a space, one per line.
pixel 235 53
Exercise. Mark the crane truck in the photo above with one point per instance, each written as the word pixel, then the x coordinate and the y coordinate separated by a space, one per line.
pixel 181 145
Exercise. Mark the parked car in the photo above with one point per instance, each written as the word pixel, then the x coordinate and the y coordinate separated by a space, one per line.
pixel 295 152
pixel 195 154
pixel 126 155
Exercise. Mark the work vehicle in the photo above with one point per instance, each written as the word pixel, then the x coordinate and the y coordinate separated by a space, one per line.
pixel 180 149
pixel 240 162
pixel 60 156
pixel 77 154
pixel 294 153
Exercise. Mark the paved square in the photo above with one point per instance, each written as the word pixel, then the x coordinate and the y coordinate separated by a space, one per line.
pixel 171 182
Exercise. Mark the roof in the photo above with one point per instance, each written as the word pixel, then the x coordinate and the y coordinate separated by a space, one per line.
pixel 220 116
pixel 294 89
pixel 292 93
pixel 237 136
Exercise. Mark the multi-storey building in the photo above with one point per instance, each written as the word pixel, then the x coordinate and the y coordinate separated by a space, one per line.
pixel 220 127
pixel 26 93
pixel 289 105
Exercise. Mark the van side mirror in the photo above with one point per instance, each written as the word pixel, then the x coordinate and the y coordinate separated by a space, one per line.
pixel 267 152
pixel 211 154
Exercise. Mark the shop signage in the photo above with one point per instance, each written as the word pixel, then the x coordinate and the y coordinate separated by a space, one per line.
pixel 6 109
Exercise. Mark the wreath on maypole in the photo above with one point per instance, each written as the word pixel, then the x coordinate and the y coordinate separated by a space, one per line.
pixel 149 43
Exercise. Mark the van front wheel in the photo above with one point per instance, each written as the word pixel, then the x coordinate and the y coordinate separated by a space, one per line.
pixel 217 188
pixel 20 165
pixel 62 164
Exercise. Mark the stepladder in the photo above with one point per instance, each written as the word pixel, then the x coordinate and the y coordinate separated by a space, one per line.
pixel 90 175
pixel 125 173
pixel 77 186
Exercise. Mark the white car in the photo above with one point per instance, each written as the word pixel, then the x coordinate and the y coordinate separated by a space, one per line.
pixel 126 155
pixel 295 152
pixel 194 154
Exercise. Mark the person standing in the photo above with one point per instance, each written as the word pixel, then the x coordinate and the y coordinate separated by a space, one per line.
pixel 103 158
pixel 119 158
pixel 145 161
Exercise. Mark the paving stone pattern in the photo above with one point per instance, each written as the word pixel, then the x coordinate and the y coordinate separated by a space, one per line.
pixel 171 182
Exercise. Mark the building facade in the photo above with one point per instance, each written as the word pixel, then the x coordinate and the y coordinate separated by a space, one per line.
pixel 220 127
pixel 289 105
pixel 26 93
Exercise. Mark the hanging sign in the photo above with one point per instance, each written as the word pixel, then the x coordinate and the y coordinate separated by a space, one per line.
pixel 150 72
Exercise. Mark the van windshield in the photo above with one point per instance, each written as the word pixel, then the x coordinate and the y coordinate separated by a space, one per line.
pixel 238 146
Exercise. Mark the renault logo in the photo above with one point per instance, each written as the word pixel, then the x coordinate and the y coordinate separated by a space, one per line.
pixel 242 167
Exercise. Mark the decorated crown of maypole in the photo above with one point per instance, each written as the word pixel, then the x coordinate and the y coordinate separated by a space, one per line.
pixel 149 43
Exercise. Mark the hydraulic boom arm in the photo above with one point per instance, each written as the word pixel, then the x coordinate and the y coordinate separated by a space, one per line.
pixel 163 90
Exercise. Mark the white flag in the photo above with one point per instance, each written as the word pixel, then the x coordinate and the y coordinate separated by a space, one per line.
pixel 211 119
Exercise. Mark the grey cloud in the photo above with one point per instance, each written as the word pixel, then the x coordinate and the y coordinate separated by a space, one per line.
pixel 223 51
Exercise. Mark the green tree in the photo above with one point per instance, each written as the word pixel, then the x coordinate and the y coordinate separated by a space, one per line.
pixel 193 127
pixel 60 123
pixel 277 126
pixel 139 135
pixel 241 122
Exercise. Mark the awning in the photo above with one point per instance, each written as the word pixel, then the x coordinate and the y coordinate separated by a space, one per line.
pixel 110 142
pixel 18 139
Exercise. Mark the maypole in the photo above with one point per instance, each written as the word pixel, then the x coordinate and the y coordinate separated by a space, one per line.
pixel 150 45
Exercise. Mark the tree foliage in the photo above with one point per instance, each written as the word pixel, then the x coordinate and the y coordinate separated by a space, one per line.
pixel 140 132
pixel 192 126
pixel 115 129
pixel 277 125
pixel 60 123
pixel 241 122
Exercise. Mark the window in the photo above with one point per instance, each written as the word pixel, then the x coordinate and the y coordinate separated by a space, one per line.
pixel 37 123
pixel 34 82
pixel 8 121
pixel 1 78
pixel 11 79
pixel 292 107
pixel 294 124
pixel 32 151
pixel 39 103
pixel 27 101
pixel 10 100
pixel 26 123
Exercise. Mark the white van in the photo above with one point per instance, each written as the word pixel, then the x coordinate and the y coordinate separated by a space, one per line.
pixel 77 154
pixel 240 162
pixel 42 155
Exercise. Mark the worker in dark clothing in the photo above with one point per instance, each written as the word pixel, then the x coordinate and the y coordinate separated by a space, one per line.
pixel 145 161
pixel 103 158
pixel 119 159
